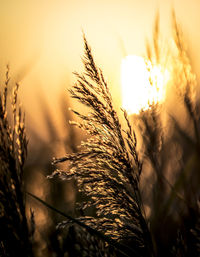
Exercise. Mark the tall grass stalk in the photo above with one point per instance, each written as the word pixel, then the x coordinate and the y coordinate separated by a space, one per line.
pixel 14 234
pixel 108 168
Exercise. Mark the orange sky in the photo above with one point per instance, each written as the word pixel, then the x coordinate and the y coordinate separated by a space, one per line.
pixel 42 39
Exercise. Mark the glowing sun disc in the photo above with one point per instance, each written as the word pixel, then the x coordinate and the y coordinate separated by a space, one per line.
pixel 137 91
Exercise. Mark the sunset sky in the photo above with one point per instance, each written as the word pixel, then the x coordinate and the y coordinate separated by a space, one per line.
pixel 42 39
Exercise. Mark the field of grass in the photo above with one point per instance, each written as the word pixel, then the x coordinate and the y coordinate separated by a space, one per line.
pixel 134 181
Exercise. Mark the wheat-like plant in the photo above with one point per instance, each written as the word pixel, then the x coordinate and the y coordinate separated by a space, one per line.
pixel 14 235
pixel 107 167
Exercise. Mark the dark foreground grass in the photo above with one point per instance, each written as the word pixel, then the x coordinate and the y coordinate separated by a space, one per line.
pixel 15 237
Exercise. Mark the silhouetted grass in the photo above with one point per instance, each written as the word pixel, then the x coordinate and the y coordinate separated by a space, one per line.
pixel 14 234
pixel 108 166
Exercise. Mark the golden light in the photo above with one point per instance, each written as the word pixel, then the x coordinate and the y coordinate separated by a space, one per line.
pixel 142 83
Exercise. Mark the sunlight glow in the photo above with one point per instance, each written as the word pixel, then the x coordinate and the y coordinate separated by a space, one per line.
pixel 142 84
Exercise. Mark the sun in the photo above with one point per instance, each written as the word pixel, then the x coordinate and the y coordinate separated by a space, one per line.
pixel 142 83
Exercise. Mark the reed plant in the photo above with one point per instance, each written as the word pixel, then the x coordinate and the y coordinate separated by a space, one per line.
pixel 15 236
pixel 109 167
